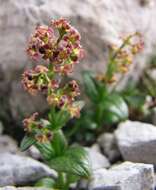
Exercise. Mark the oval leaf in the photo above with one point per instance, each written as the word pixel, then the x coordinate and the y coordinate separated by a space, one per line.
pixel 90 87
pixel 114 108
pixel 27 142
pixel 74 161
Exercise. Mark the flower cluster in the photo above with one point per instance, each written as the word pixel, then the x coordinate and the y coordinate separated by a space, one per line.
pixel 36 79
pixel 121 57
pixel 59 45
pixel 41 131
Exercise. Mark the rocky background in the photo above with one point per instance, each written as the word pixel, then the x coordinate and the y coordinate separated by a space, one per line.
pixel 101 23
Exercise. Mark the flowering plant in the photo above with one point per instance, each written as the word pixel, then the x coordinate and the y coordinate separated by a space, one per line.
pixel 108 105
pixel 59 46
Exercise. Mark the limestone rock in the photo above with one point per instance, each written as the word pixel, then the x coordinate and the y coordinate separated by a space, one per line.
pixel 97 160
pixel 7 144
pixel 34 153
pixel 18 170
pixel 127 176
pixel 137 141
pixel 100 23
pixel 108 143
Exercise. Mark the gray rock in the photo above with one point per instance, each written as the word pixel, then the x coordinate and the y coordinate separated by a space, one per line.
pixel 137 141
pixel 7 144
pixel 108 144
pixel 18 170
pixel 120 17
pixel 127 176
pixel 96 147
pixel 97 160
pixel 110 187
pixel 34 153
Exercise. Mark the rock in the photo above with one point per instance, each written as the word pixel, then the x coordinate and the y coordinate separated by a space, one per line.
pixel 137 141
pixel 127 176
pixel 22 188
pixel 112 187
pixel 7 144
pixel 108 144
pixel 97 160
pixel 96 147
pixel 121 17
pixel 34 153
pixel 18 170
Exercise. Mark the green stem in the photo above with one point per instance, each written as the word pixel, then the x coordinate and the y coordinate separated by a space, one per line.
pixel 111 64
pixel 61 182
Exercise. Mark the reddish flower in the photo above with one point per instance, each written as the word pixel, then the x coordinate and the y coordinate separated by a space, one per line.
pixel 28 122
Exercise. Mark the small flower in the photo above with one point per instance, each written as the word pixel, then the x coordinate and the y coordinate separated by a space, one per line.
pixel 41 43
pixel 53 99
pixel 74 88
pixel 44 137
pixel 64 100
pixel 53 84
pixel 28 82
pixel 41 69
pixel 35 80
pixel 29 122
pixel 74 110
pixel 61 24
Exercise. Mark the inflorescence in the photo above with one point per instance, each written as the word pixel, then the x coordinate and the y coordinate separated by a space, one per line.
pixel 59 46
pixel 121 57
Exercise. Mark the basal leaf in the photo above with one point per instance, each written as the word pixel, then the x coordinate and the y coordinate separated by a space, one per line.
pixel 114 109
pixel 46 183
pixel 89 85
pixel 74 161
pixel 46 150
pixel 27 142
pixel 59 142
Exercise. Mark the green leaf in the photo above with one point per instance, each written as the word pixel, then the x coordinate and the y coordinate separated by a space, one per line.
pixel 113 109
pixel 46 150
pixel 27 142
pixel 45 182
pixel 89 85
pixel 72 179
pixel 74 161
pixel 59 142
pixel 58 118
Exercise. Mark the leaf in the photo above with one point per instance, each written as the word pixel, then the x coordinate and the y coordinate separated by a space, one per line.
pixel 46 150
pixel 58 118
pixel 59 142
pixel 113 109
pixel 45 182
pixel 89 85
pixel 27 142
pixel 72 178
pixel 74 161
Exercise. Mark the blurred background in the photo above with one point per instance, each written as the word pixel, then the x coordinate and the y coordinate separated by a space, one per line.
pixel 100 22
